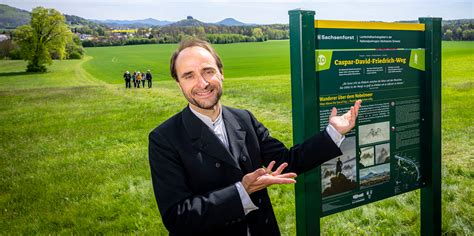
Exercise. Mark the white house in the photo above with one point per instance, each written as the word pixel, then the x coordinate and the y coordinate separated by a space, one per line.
pixel 4 37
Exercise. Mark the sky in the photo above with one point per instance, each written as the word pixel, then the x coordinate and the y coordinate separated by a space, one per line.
pixel 256 11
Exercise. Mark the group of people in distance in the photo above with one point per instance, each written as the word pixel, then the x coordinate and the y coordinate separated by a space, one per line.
pixel 137 78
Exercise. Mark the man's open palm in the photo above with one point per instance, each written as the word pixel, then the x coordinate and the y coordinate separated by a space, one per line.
pixel 345 122
pixel 264 177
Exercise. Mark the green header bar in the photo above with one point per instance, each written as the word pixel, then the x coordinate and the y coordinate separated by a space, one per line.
pixel 363 39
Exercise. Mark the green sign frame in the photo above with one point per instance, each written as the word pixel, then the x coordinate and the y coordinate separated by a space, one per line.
pixel 310 39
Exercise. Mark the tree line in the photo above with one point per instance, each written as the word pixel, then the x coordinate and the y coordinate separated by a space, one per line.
pixel 458 30
pixel 216 34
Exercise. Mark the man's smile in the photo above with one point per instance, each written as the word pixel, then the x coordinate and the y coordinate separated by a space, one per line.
pixel 205 93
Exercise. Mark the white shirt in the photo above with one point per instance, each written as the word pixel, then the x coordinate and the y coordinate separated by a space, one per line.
pixel 218 127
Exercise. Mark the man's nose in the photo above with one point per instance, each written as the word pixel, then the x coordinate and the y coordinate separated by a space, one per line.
pixel 202 82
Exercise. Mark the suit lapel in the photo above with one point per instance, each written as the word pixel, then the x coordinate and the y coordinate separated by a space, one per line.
pixel 205 140
pixel 236 137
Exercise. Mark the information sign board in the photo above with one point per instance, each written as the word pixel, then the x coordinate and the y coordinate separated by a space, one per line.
pixel 395 147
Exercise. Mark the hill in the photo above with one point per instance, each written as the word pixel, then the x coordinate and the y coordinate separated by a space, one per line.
pixel 189 21
pixel 150 22
pixel 133 23
pixel 79 21
pixel 231 22
pixel 11 17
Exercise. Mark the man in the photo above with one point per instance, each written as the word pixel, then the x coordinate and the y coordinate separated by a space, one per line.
pixel 206 161
pixel 138 79
pixel 127 78
pixel 148 78
pixel 143 79
pixel 134 78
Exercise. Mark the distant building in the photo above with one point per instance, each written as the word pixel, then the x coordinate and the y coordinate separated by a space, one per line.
pixel 86 37
pixel 4 37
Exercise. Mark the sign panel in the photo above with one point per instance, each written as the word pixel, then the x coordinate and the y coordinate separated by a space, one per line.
pixel 381 156
pixel 395 68
pixel 384 66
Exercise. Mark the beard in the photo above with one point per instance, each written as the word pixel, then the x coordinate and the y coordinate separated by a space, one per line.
pixel 208 103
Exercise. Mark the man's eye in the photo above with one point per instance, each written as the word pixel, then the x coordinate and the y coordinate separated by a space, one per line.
pixel 209 73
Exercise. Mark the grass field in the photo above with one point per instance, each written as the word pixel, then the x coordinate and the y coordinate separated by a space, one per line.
pixel 109 64
pixel 74 141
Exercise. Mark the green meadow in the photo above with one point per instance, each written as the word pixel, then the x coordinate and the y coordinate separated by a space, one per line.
pixel 73 150
pixel 244 60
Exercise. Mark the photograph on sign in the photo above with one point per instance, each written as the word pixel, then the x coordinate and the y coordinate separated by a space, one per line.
pixel 374 133
pixel 374 175
pixel 382 153
pixel 367 156
pixel 338 175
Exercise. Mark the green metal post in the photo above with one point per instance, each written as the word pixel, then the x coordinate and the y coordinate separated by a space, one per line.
pixel 431 118
pixel 305 113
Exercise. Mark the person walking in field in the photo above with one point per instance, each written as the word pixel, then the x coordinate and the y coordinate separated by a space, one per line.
pixel 134 78
pixel 143 79
pixel 138 79
pixel 148 78
pixel 127 78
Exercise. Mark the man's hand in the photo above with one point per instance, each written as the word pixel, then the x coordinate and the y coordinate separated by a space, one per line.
pixel 264 177
pixel 346 122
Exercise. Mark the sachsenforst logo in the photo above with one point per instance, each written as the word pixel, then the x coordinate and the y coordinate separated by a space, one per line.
pixel 321 60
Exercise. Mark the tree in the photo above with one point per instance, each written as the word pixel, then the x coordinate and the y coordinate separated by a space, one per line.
pixel 46 33
pixel 200 32
pixel 468 34
pixel 74 49
pixel 448 35
pixel 258 34
pixel 458 33
pixel 6 47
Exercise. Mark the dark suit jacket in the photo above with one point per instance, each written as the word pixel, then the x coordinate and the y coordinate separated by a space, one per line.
pixel 194 174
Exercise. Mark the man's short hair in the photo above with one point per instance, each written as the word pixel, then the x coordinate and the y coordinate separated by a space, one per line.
pixel 193 43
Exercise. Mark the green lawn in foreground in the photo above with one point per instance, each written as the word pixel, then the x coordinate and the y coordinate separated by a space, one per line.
pixel 74 144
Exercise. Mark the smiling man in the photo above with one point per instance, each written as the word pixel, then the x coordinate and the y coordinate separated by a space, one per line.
pixel 211 164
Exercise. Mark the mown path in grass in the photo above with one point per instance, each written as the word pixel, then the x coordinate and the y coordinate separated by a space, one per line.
pixel 74 143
